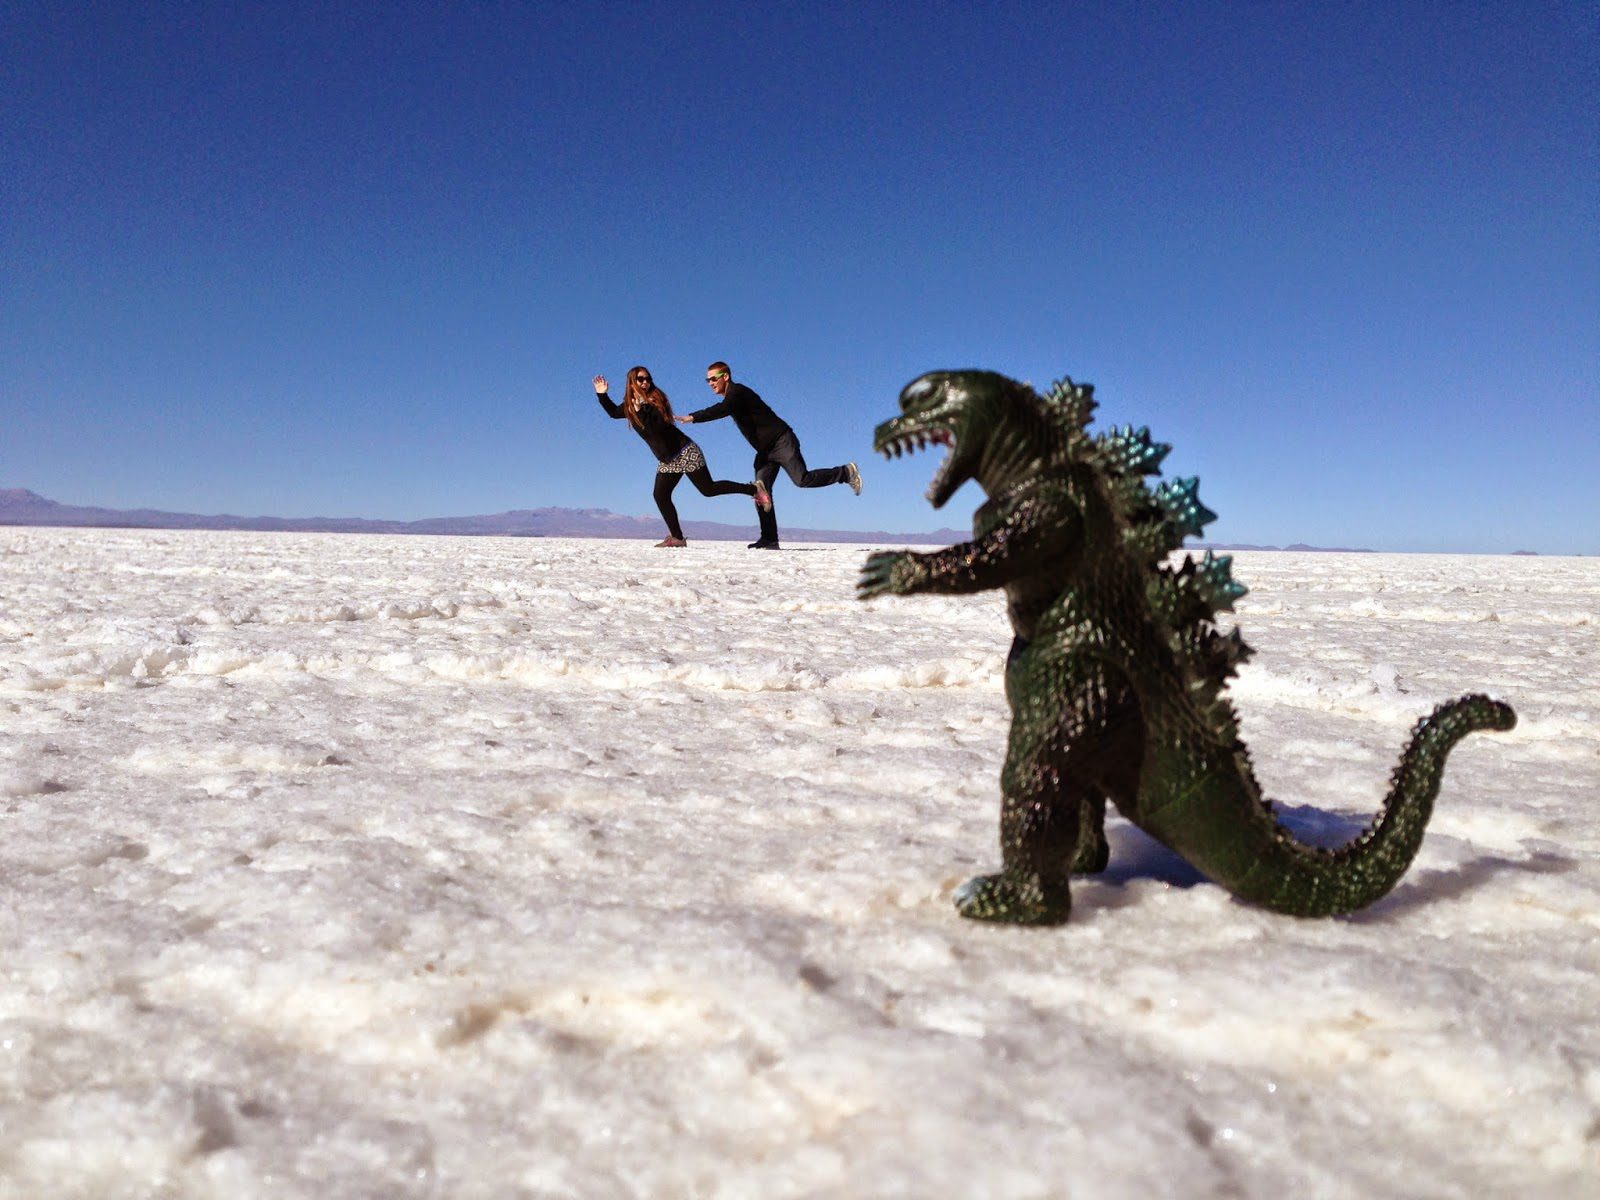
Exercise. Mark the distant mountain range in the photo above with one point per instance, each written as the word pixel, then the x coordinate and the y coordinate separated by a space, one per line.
pixel 18 506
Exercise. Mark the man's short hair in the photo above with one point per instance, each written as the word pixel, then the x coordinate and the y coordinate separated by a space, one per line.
pixel 719 365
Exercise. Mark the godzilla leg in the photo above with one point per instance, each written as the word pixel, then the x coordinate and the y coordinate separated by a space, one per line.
pixel 1094 852
pixel 1042 818
pixel 1075 737
pixel 1114 731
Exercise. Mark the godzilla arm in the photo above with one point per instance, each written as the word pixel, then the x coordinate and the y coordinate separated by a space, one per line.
pixel 1036 533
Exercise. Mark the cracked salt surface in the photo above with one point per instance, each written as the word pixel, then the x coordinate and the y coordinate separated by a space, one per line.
pixel 348 866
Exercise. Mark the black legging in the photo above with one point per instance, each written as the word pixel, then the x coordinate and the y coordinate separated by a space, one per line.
pixel 701 478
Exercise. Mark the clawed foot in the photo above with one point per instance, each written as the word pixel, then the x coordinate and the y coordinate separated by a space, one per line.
pixel 1093 858
pixel 1012 900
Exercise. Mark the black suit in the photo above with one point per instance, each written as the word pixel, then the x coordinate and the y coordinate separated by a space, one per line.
pixel 775 445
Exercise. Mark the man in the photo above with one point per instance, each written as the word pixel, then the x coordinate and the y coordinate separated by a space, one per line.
pixel 775 445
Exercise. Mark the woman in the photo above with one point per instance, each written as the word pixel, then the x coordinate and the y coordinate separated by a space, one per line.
pixel 646 408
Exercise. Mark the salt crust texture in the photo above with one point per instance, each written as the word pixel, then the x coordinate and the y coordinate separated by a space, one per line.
pixel 344 866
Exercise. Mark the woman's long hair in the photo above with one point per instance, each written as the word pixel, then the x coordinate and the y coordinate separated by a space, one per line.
pixel 637 394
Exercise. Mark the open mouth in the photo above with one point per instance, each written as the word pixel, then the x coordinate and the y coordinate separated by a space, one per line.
pixel 897 443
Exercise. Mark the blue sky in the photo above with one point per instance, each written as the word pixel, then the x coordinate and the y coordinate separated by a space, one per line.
pixel 363 260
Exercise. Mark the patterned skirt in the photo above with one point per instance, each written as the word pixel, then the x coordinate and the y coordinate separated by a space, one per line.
pixel 684 461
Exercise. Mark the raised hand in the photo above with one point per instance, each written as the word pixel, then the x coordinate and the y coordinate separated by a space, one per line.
pixel 600 384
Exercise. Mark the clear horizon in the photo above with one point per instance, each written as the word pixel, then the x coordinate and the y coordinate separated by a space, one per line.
pixel 364 263
pixel 691 523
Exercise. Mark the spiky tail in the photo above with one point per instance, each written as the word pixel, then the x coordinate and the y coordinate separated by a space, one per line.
pixel 1267 865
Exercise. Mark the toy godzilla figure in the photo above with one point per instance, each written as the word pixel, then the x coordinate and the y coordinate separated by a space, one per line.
pixel 1116 675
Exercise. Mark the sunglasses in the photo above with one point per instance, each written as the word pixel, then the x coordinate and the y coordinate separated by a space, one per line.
pixel 717 376
pixel 641 379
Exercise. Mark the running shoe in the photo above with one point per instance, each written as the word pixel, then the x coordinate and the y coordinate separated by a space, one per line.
pixel 763 497
pixel 853 477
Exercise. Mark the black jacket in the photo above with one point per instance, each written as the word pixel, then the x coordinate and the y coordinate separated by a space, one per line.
pixel 663 437
pixel 760 425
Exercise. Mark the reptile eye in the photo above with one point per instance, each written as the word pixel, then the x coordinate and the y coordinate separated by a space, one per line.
pixel 917 391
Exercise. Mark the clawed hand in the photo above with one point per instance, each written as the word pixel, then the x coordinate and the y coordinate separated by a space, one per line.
pixel 888 572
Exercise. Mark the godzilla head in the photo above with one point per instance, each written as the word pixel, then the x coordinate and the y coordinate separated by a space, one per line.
pixel 969 412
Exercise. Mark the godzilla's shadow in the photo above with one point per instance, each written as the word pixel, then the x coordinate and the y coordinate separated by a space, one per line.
pixel 1434 887
pixel 1137 855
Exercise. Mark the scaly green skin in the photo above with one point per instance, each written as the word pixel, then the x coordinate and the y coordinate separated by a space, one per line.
pixel 1116 675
